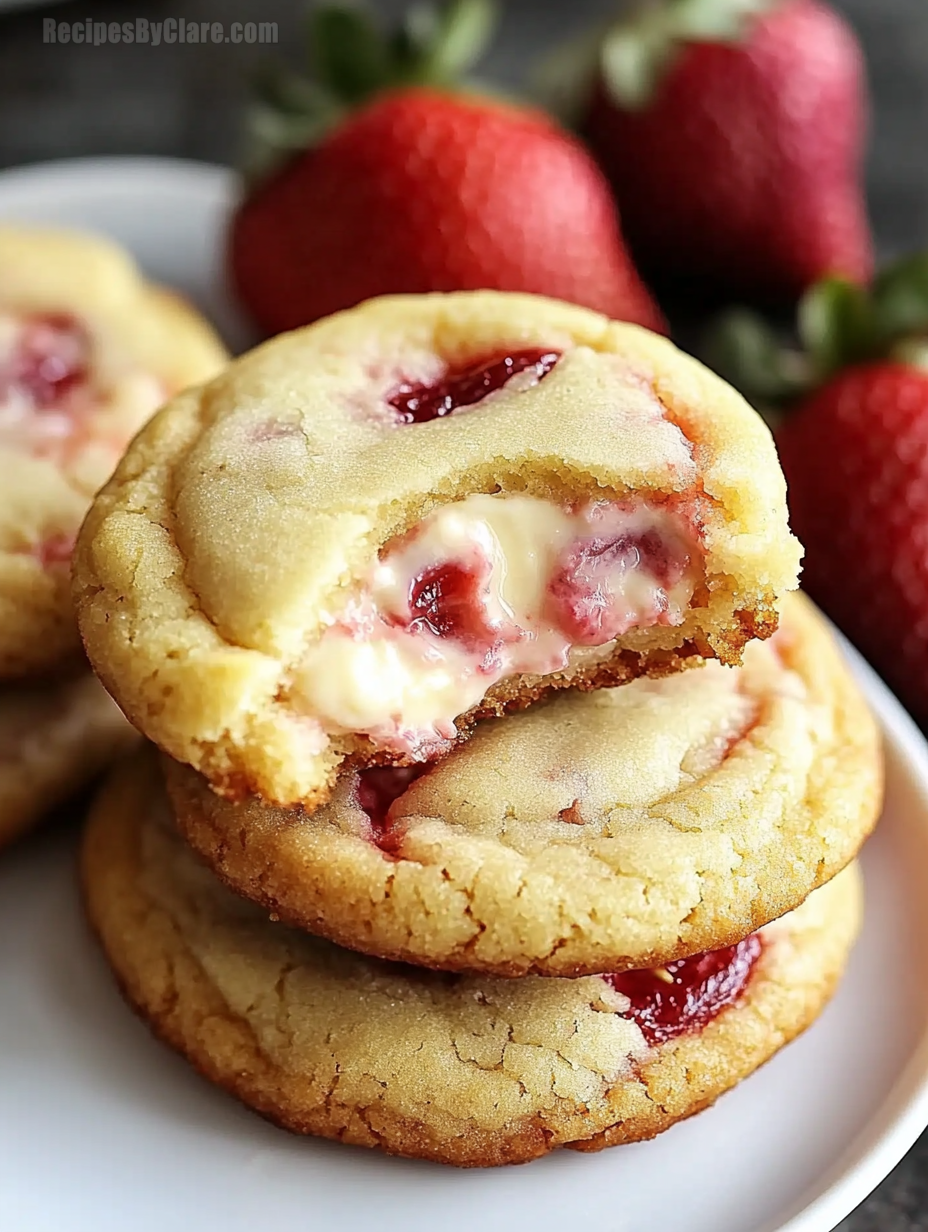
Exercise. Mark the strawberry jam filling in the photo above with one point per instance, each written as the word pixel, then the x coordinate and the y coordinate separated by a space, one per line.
pixel 379 787
pixel 44 378
pixel 416 404
pixel 686 995
pixel 486 588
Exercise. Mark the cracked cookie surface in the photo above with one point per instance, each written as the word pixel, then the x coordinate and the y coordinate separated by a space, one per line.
pixel 88 351
pixel 621 828
pixel 467 1070
pixel 304 561
pixel 54 739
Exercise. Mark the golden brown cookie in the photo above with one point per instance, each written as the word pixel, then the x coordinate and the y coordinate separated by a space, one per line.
pixel 468 1070
pixel 430 509
pixel 88 351
pixel 54 739
pixel 625 827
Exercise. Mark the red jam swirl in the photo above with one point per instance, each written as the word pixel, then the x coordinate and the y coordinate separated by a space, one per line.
pixel 420 403
pixel 583 601
pixel 379 787
pixel 686 995
pixel 446 600
pixel 50 359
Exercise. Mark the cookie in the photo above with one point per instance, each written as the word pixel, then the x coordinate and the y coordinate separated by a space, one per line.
pixel 624 827
pixel 87 352
pixel 54 739
pixel 467 1070
pixel 427 510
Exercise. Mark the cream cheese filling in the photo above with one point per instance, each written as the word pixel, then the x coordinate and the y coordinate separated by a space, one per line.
pixel 485 588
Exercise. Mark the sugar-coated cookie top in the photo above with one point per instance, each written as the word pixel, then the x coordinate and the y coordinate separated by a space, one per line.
pixel 287 474
pixel 231 565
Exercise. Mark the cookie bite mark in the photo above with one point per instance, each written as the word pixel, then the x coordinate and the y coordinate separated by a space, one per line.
pixel 687 995
pixel 488 588
pixel 378 790
pixel 418 403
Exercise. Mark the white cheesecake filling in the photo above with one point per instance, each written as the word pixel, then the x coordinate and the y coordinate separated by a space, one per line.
pixel 485 588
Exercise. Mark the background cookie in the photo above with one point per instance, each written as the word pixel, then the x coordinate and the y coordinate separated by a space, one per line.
pixel 464 1070
pixel 54 739
pixel 87 352
pixel 312 558
pixel 625 827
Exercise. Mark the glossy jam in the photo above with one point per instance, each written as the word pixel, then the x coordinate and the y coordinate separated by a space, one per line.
pixel 686 995
pixel 379 787
pixel 49 361
pixel 446 601
pixel 420 403
pixel 594 570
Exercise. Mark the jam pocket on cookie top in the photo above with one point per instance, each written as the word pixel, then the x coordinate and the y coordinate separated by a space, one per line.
pixel 373 532
pixel 461 1068
pixel 88 351
pixel 688 994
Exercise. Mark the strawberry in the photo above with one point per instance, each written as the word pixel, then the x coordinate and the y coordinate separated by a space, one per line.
pixel 855 454
pixel 732 133
pixel 396 183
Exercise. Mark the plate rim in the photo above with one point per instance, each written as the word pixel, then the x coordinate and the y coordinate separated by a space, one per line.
pixel 907 1098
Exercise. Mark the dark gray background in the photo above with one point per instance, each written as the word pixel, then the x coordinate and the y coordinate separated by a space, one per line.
pixel 61 101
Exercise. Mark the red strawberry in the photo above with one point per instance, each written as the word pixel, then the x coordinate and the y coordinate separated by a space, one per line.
pixel 856 459
pixel 424 189
pixel 732 132
pixel 855 455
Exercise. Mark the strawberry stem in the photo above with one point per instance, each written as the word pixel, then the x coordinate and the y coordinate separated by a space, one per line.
pixel 351 59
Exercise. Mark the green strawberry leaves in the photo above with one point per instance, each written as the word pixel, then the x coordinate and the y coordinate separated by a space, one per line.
pixel 444 44
pixel 350 60
pixel 838 324
pixel 751 355
pixel 348 53
pixel 636 52
pixel 834 324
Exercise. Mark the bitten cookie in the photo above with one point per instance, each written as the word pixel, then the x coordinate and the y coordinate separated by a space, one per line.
pixel 625 827
pixel 87 352
pixel 430 509
pixel 466 1070
pixel 54 739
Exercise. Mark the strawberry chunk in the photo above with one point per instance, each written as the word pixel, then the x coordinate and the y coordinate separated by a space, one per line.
pixel 686 995
pixel 467 386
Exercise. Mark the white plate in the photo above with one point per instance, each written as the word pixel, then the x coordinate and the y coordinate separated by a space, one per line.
pixel 103 1130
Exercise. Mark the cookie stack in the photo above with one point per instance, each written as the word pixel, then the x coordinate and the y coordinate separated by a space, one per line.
pixel 87 352
pixel 446 853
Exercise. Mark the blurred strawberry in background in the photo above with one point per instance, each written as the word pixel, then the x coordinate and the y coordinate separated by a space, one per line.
pixel 854 448
pixel 732 133
pixel 391 179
